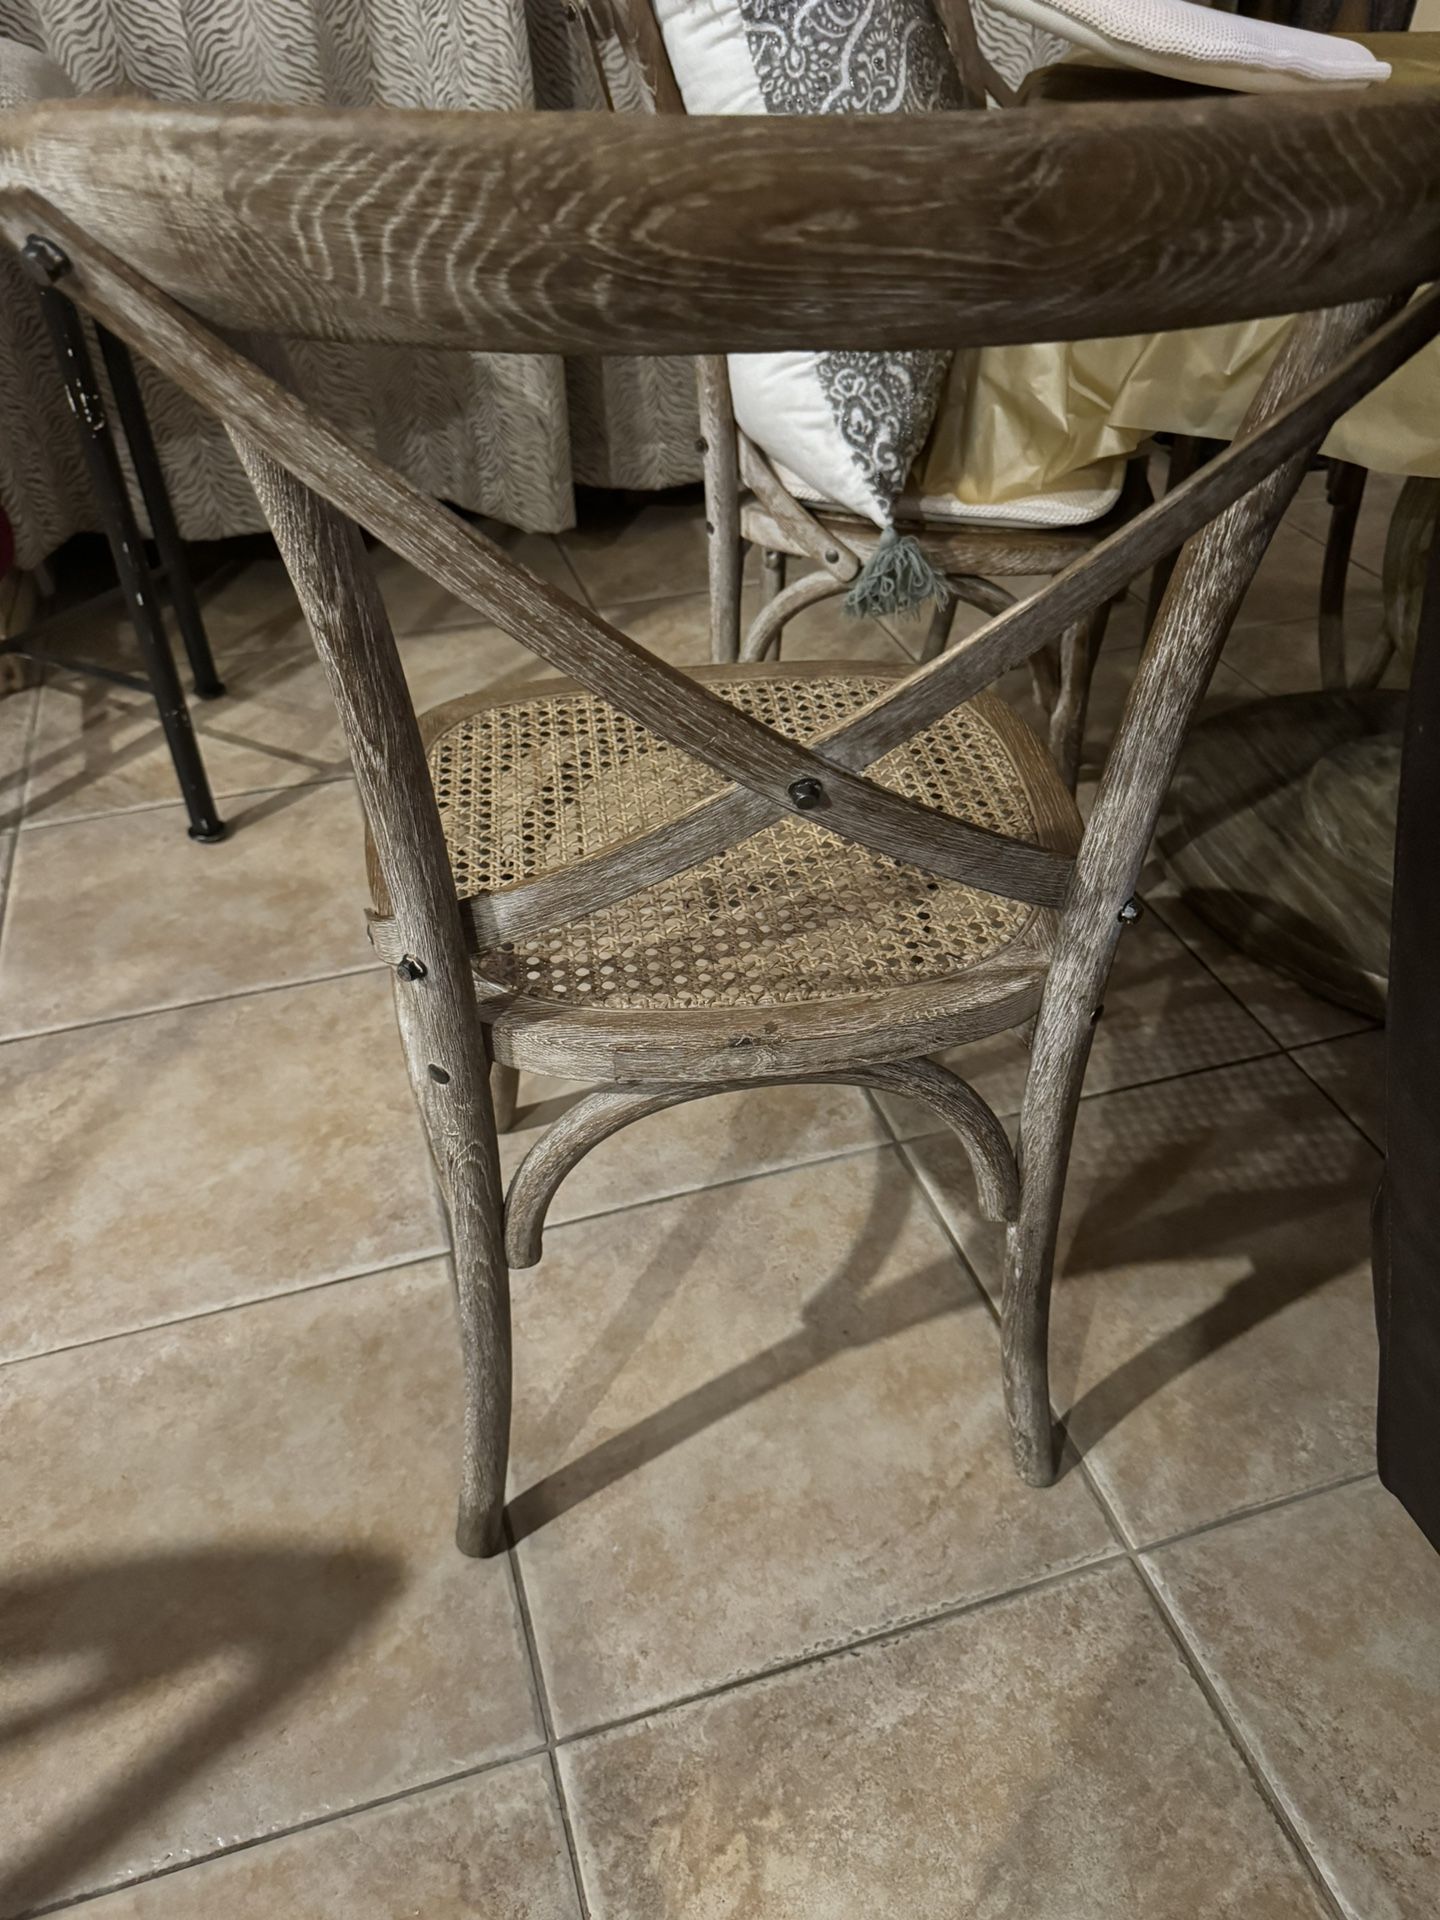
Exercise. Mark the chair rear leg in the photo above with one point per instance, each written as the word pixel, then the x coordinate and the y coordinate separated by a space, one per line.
pixel 937 634
pixel 1079 650
pixel 772 574
pixel 720 460
pixel 460 1127
pixel 504 1087
pixel 1059 1052
pixel 435 1003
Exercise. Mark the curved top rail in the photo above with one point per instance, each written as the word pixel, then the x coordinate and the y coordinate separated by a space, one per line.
pixel 570 232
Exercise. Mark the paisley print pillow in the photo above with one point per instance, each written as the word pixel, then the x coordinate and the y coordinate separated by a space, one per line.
pixel 849 425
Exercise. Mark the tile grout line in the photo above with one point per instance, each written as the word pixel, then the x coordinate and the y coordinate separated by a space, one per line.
pixel 327 1819
pixel 441 1250
pixel 1269 1792
pixel 1294 1054
pixel 139 807
pixel 822 1656
pixel 1291 1053
pixel 547 1721
pixel 185 1006
pixel 1268 1789
pixel 1158 909
pixel 1277 1504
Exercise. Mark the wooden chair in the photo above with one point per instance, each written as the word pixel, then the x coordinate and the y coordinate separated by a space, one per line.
pixel 671 885
pixel 748 503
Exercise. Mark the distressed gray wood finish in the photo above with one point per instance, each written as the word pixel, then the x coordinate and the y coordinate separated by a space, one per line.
pixel 599 1115
pixel 1296 231
pixel 1209 582
pixel 762 637
pixel 726 550
pixel 504 1087
pixel 437 1010
pixel 581 233
pixel 977 76
pixel 597 655
pixel 1080 646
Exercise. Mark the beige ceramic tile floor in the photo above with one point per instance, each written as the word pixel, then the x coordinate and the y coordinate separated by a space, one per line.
pixel 780 1636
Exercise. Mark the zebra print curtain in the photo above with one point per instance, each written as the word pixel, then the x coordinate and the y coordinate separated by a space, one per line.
pixel 503 435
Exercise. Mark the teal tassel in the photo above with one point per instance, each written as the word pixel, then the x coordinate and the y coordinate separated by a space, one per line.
pixel 896 579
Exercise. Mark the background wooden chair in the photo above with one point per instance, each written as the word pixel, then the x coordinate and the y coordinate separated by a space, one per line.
pixel 749 503
pixel 670 885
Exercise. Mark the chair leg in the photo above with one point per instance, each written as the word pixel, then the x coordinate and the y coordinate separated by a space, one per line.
pixel 721 456
pixel 460 1128
pixel 937 634
pixel 435 1004
pixel 1187 452
pixel 87 403
pixel 1060 1049
pixel 772 575
pixel 1345 490
pixel 1079 650
pixel 769 623
pixel 727 565
pixel 504 1085
pixel 148 471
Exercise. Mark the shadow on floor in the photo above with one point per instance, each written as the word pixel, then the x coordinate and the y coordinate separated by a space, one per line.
pixel 125 1628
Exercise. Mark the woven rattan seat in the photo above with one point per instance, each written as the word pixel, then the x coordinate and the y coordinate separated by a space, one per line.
pixel 786 923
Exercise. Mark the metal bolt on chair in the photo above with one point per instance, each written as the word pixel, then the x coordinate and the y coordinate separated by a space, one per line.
pixel 771 871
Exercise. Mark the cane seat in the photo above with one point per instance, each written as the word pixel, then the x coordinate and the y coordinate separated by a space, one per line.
pixel 788 940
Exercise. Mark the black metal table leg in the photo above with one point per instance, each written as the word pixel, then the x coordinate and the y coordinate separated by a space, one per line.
pixel 126 389
pixel 136 580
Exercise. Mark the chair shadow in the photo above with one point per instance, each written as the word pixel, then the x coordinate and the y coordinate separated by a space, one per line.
pixel 138 1624
pixel 838 1317
pixel 1121 1228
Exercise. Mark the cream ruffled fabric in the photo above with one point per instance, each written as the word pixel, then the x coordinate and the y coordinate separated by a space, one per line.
pixel 1016 421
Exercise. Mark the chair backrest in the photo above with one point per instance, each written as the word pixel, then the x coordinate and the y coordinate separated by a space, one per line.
pixel 591 233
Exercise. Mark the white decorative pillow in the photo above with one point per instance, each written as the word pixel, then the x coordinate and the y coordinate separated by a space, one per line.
pixel 1199 44
pixel 849 424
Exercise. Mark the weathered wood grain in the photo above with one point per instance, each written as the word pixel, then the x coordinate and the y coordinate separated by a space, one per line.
pixel 566 635
pixel 721 465
pixel 797 529
pixel 1211 577
pixel 573 233
pixel 598 1115
pixel 436 1006
pixel 977 77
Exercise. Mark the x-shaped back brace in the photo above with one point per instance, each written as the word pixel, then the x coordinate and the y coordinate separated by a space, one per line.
pixel 772 775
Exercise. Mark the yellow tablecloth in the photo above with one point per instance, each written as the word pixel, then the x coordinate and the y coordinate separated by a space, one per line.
pixel 1025 420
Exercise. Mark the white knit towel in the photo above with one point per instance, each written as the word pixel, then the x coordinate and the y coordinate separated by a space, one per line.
pixel 1187 42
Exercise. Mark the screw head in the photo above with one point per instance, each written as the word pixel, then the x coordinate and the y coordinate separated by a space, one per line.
pixel 409 968
pixel 1130 912
pixel 832 555
pixel 702 445
pixel 43 260
pixel 806 793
